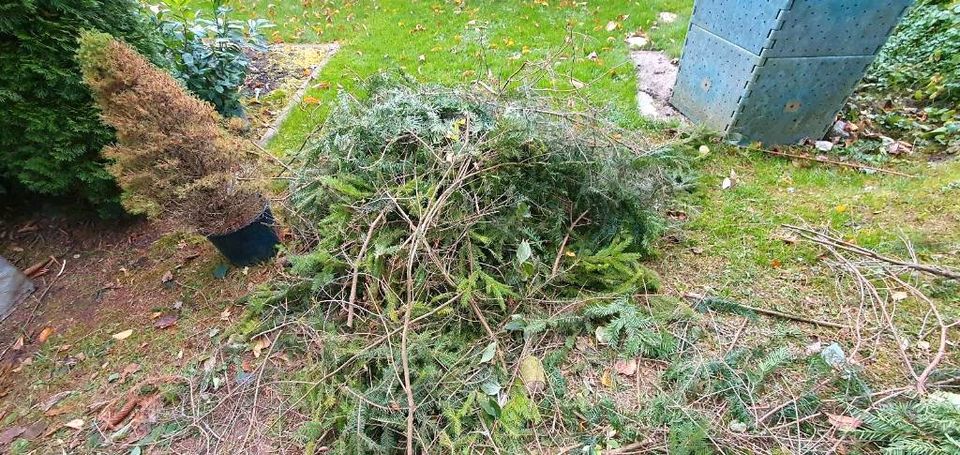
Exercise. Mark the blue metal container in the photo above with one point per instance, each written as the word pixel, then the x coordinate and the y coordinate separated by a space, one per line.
pixel 778 71
pixel 252 244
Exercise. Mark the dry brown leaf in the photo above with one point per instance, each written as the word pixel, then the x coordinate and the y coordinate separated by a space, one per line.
pixel 259 344
pixel 54 399
pixel 45 333
pixel 844 423
pixel 532 374
pixel 626 367
pixel 606 379
pixel 128 370
pixel 166 322
pixel 122 335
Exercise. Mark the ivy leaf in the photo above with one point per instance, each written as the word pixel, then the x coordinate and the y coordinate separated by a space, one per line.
pixel 489 352
pixel 491 388
pixel 490 406
pixel 523 252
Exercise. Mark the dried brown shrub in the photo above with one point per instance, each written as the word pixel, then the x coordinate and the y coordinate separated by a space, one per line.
pixel 172 158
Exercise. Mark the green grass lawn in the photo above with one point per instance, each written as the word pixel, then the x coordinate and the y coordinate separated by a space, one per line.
pixel 453 42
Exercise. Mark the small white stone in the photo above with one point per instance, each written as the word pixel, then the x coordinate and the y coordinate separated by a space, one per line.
pixel 666 17
pixel 637 42
pixel 824 146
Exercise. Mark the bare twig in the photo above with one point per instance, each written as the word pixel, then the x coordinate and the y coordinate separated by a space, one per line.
pixel 356 269
pixel 942 348
pixel 776 314
pixel 834 162
pixel 822 238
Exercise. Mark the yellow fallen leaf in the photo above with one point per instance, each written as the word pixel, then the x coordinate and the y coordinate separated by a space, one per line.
pixel 45 333
pixel 532 374
pixel 122 335
pixel 311 100
pixel 606 379
pixel 259 344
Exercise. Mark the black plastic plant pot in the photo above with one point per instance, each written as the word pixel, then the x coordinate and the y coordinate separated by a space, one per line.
pixel 251 244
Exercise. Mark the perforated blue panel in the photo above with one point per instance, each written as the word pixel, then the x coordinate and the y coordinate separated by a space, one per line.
pixel 777 71
pixel 796 98
pixel 815 28
pixel 713 76
pixel 745 23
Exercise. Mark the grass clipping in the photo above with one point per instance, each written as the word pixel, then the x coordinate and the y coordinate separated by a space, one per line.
pixel 436 215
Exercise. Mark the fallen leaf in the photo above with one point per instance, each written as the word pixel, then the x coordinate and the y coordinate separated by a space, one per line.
pixel 54 399
pixel 489 352
pixel 727 183
pixel 45 333
pixel 899 296
pixel 76 424
pixel 167 277
pixel 606 379
pixel 10 434
pixel 25 362
pixel 131 368
pixel 18 345
pixel 122 335
pixel 259 344
pixel 612 25
pixel 626 367
pixel 532 374
pixel 844 423
pixel 225 314
pixel 166 322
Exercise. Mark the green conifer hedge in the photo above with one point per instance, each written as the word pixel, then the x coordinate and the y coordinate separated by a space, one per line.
pixel 50 131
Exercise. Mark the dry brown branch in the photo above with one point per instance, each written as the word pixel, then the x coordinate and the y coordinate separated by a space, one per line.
pixel 843 252
pixel 834 162
pixel 356 269
pixel 131 400
pixel 563 245
pixel 942 348
pixel 775 313
pixel 825 239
